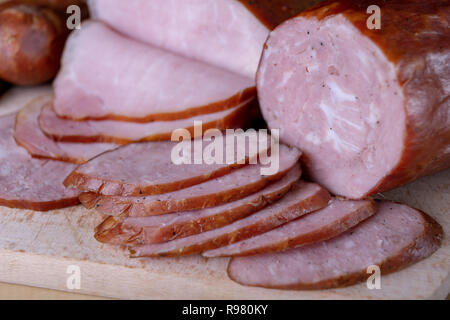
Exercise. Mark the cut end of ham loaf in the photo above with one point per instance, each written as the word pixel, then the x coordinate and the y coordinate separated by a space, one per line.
pixel 394 238
pixel 369 108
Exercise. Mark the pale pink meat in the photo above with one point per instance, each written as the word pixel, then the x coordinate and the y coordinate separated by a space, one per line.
pixel 302 199
pixel 31 183
pixel 336 218
pixel 338 118
pixel 105 75
pixel 233 186
pixel 124 132
pixel 392 239
pixel 221 32
pixel 29 135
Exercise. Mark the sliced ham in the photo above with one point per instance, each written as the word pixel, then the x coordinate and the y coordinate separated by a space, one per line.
pixel 148 168
pixel 233 186
pixel 394 238
pixel 125 132
pixel 338 217
pixel 29 135
pixel 226 33
pixel 162 228
pixel 105 75
pixel 28 183
pixel 302 199
pixel 370 108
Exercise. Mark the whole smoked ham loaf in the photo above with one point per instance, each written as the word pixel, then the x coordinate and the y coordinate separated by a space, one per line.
pixel 370 109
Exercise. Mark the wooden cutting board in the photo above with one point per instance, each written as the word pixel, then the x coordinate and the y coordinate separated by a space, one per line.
pixel 36 249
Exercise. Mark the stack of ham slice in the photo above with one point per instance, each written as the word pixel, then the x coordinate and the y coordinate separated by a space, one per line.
pixel 276 222
pixel 114 90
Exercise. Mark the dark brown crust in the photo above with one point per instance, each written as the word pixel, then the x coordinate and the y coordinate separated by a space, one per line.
pixel 105 204
pixel 410 31
pixel 273 12
pixel 313 203
pixel 323 234
pixel 432 236
pixel 217 106
pixel 113 231
pixel 241 118
pixel 20 24
pixel 40 206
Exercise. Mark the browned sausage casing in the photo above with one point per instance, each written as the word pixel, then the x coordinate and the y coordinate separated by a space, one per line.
pixel 31 43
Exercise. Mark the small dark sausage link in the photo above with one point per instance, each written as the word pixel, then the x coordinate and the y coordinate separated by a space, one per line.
pixel 31 43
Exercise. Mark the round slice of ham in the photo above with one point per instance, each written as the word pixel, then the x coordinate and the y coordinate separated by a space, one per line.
pixel 338 217
pixel 369 108
pixel 106 75
pixel 167 227
pixel 29 183
pixel 394 238
pixel 233 186
pixel 123 132
pixel 29 135
pixel 148 168
pixel 302 199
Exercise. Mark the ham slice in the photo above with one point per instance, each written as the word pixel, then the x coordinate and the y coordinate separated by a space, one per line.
pixel 233 186
pixel 338 217
pixel 394 238
pixel 28 135
pixel 125 132
pixel 369 108
pixel 147 168
pixel 302 199
pixel 162 228
pixel 226 33
pixel 28 183
pixel 105 75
